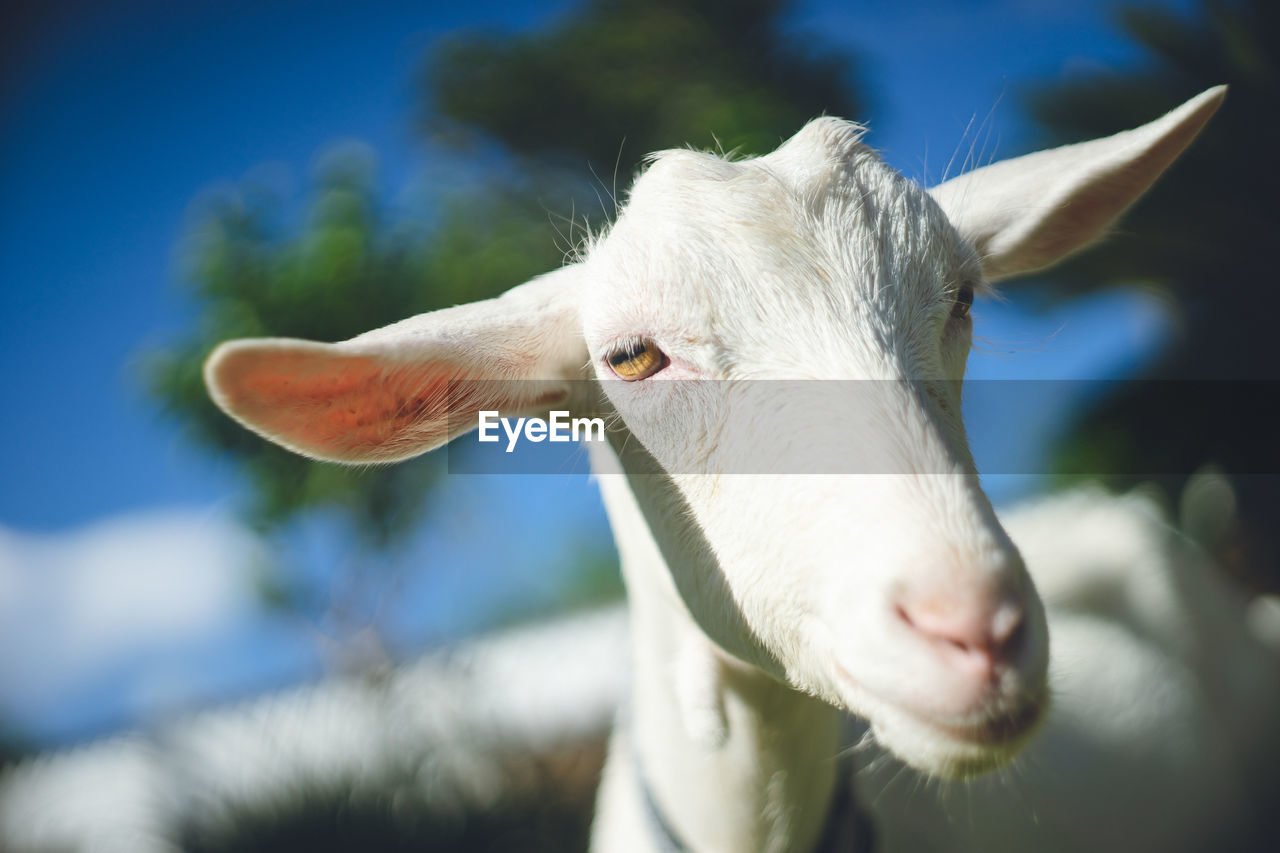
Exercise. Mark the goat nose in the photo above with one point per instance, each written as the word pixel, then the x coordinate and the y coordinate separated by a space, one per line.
pixel 975 637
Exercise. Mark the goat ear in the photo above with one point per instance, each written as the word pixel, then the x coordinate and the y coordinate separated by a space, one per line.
pixel 406 388
pixel 1032 211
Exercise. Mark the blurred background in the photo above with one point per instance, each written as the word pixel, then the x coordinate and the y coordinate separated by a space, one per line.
pixel 174 175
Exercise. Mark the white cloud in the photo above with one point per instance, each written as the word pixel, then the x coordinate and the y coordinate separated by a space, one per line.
pixel 75 606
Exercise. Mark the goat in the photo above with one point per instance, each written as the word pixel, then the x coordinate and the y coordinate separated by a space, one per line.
pixel 767 608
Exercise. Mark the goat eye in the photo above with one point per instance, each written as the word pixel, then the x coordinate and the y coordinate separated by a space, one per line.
pixel 638 359
pixel 964 301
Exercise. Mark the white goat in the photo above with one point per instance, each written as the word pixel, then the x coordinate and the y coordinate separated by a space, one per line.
pixel 765 608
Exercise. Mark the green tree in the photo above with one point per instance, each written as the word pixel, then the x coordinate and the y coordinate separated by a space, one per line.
pixel 544 116
pixel 1205 237
pixel 623 78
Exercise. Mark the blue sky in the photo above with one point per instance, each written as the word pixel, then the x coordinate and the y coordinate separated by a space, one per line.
pixel 121 115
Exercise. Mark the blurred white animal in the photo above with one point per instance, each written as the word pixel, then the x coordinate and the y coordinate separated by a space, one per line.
pixel 860 568
pixel 1163 732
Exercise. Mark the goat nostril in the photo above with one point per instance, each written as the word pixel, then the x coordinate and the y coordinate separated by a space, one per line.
pixel 1010 632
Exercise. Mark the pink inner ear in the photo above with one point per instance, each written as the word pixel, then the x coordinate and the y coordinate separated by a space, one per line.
pixel 345 407
pixel 337 406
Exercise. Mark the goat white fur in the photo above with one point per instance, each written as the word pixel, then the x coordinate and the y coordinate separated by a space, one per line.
pixel 765 608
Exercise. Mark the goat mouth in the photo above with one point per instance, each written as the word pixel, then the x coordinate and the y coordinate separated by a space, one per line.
pixel 959 750
pixel 1000 729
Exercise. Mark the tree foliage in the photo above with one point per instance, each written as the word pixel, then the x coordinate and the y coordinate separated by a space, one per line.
pixel 1204 237
pixel 599 90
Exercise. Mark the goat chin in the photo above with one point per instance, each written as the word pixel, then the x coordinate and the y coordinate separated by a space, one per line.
pixel 951 751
